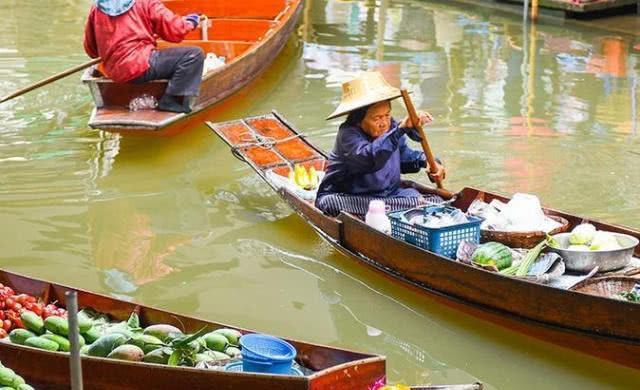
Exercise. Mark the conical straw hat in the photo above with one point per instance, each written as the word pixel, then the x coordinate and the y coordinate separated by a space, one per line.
pixel 366 89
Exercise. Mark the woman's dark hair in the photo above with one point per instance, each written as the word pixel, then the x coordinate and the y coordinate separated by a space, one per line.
pixel 356 116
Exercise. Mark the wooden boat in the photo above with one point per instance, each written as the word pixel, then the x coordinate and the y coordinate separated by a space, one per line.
pixel 602 327
pixel 333 368
pixel 325 367
pixel 249 34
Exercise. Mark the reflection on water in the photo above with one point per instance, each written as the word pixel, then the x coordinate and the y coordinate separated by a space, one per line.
pixel 179 223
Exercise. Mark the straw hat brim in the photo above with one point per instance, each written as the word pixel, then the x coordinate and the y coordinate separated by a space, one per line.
pixel 346 107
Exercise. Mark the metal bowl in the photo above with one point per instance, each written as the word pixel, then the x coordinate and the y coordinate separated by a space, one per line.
pixel 585 261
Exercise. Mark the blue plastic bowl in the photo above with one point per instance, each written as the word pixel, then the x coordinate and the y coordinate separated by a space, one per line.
pixel 239 367
pixel 268 354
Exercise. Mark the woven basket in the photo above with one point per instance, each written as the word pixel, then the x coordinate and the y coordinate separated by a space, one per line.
pixel 607 287
pixel 525 240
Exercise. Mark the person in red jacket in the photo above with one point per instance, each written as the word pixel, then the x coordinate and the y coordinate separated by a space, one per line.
pixel 124 33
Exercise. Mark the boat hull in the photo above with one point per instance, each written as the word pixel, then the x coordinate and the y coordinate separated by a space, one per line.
pixel 602 327
pixel 112 114
pixel 336 368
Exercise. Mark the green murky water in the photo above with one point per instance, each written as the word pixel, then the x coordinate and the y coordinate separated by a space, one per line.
pixel 180 224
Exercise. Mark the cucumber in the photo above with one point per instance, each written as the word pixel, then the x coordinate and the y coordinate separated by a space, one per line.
pixel 162 331
pixel 91 335
pixel 57 325
pixel 42 343
pixel 63 344
pixel 17 381
pixel 128 352
pixel 6 376
pixel 19 336
pixel 32 322
pixel 105 344
pixel 25 386
pixel 84 350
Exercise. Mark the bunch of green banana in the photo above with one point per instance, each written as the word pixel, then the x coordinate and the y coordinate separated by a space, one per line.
pixel 303 178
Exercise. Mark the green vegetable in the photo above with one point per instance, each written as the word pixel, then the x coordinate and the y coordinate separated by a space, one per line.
pixel 91 335
pixel 25 386
pixel 630 296
pixel 105 344
pixel 63 342
pixel 582 234
pixel 6 376
pixel 529 258
pixel 604 241
pixel 18 381
pixel 493 253
pixel 32 322
pixel 42 343
pixel 84 350
pixel 84 321
pixel 19 336
pixel 57 325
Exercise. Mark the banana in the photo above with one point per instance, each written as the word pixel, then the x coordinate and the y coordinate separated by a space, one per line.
pixel 313 178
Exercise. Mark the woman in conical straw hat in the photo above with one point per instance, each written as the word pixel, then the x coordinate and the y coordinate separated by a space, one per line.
pixel 371 152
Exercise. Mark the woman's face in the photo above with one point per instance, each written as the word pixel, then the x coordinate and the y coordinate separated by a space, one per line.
pixel 377 120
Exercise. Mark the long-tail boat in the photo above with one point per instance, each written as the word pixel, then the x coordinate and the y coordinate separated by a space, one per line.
pixel 323 367
pixel 600 326
pixel 249 34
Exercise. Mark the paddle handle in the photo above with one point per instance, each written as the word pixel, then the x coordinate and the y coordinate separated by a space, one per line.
pixel 431 160
pixel 51 79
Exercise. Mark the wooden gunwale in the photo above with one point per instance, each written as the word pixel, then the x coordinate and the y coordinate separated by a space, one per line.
pixel 216 85
pixel 50 370
pixel 603 327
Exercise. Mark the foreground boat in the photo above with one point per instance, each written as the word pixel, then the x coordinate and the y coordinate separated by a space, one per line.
pixel 603 327
pixel 333 368
pixel 248 34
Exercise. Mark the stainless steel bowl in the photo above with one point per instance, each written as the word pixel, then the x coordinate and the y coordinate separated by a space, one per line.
pixel 585 261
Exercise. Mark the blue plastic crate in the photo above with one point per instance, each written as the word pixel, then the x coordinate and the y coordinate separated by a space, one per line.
pixel 443 241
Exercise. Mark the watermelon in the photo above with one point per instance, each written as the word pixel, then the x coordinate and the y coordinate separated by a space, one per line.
pixel 493 253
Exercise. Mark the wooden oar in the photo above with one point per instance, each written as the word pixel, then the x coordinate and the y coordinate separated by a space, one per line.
pixel 51 79
pixel 425 144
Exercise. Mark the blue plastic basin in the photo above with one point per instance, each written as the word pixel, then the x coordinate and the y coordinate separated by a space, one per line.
pixel 267 354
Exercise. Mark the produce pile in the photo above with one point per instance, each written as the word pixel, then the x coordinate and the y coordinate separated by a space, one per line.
pixel 586 237
pixel 12 306
pixel 127 340
pixel 9 380
pixel 41 326
pixel 303 178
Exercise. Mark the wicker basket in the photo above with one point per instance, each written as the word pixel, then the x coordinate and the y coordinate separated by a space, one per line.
pixel 608 286
pixel 525 240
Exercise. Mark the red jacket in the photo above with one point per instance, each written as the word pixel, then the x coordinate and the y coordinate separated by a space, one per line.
pixel 125 42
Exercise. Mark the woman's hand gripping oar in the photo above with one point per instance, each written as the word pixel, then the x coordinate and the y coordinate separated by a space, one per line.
pixel 425 146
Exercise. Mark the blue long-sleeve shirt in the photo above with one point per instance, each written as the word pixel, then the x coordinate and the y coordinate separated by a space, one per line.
pixel 361 165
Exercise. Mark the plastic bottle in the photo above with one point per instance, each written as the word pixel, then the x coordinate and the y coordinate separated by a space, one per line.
pixel 143 102
pixel 376 216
